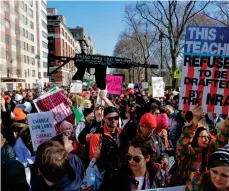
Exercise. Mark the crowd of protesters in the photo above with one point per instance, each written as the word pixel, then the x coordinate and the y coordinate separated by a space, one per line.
pixel 130 142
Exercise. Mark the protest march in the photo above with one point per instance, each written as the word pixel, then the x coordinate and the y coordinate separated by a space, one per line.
pixel 165 130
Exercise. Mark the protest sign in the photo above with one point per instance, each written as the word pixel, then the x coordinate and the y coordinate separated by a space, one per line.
pixel 41 126
pixel 76 87
pixel 131 86
pixel 177 74
pixel 58 104
pixel 157 87
pixel 114 84
pixel 205 71
pixel 145 86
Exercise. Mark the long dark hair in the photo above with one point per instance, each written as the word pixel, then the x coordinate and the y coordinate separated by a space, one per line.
pixel 206 183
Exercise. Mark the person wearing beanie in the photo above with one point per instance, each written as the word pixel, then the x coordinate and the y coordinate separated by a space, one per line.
pixel 217 176
pixel 147 125
pixel 195 146
pixel 20 138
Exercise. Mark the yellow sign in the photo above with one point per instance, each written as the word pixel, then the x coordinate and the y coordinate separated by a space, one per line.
pixel 177 74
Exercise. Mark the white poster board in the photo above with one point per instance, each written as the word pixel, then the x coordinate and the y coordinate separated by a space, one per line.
pixel 41 126
pixel 131 86
pixel 76 87
pixel 157 87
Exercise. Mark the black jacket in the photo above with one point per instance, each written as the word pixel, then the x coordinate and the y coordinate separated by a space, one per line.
pixel 7 153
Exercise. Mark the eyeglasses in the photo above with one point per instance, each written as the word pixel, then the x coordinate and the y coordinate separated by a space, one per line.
pixel 113 118
pixel 205 137
pixel 136 159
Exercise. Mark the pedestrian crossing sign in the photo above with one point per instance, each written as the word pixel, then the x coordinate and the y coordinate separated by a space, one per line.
pixel 177 74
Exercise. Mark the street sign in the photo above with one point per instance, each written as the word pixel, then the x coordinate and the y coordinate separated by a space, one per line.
pixel 177 74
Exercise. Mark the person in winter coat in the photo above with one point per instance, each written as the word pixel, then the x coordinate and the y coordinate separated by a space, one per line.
pixel 20 138
pixel 195 146
pixel 7 152
pixel 147 125
pixel 57 168
pixel 217 177
pixel 212 122
pixel 173 126
pixel 136 174
pixel 13 176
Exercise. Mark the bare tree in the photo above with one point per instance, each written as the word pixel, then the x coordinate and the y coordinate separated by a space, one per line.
pixel 170 19
pixel 218 12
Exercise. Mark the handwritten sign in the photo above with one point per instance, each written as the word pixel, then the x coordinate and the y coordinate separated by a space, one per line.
pixel 41 126
pixel 157 87
pixel 114 84
pixel 76 87
pixel 58 104
pixel 205 76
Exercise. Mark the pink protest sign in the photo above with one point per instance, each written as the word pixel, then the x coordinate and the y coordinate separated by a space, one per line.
pixel 58 104
pixel 114 84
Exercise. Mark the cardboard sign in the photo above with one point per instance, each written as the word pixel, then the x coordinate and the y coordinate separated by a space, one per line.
pixel 114 84
pixel 58 104
pixel 177 74
pixel 41 126
pixel 145 86
pixel 157 87
pixel 205 71
pixel 76 87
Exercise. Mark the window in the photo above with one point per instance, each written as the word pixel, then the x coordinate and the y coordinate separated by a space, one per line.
pixel 24 32
pixel 6 7
pixel 26 21
pixel 25 8
pixel 44 44
pixel 16 15
pixel 23 18
pixel 45 55
pixel 27 34
pixel 44 34
pixel 17 43
pixel 32 49
pixel 8 55
pixel 45 65
pixel 24 46
pixel 28 72
pixel 33 61
pixel 44 24
pixel 27 46
pixel 7 24
pixel 39 74
pixel 43 4
pixel 25 58
pixel 32 37
pixel 62 31
pixel 33 73
pixel 7 39
pixel 17 29
pixel 25 73
pixel 43 14
pixel 31 25
pixel 45 74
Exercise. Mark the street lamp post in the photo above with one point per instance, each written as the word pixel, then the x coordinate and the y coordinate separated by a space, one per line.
pixel 161 36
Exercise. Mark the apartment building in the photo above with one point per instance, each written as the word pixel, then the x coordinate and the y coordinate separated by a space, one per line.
pixel 61 43
pixel 19 44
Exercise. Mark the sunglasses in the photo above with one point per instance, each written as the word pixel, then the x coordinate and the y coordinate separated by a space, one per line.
pixel 113 118
pixel 136 159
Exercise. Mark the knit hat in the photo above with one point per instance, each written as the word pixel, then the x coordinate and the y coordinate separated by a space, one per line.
pixel 19 114
pixel 148 120
pixel 65 126
pixel 18 97
pixel 219 158
pixel 87 111
pixel 162 121
pixel 131 91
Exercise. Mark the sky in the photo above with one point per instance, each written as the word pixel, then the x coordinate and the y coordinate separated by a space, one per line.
pixel 102 20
